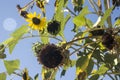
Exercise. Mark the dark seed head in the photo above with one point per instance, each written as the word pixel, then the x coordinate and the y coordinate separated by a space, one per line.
pixel 36 21
pixel 53 27
pixel 50 56
pixel 108 41
pixel 24 14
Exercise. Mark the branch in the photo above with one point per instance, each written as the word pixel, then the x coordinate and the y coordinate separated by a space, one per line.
pixel 92 4
pixel 71 11
pixel 107 6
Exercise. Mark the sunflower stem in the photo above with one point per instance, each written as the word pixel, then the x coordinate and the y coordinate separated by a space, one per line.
pixel 92 4
pixel 107 6
pixel 81 48
pixel 70 42
pixel 71 11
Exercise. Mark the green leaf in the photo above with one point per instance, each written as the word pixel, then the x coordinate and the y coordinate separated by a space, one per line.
pixel 12 46
pixel 2 76
pixel 117 23
pixel 20 31
pixel 63 23
pixel 102 70
pixel 90 67
pixel 84 11
pixel 105 16
pixel 11 42
pixel 15 37
pixel 11 66
pixel 44 38
pixel 66 19
pixel 63 73
pixel 78 2
pixel 48 74
pixel 59 15
pixel 65 3
pixel 94 77
pixel 36 77
pixel 81 20
pixel 82 63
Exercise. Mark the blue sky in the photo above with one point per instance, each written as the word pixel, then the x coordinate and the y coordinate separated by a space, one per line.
pixel 23 50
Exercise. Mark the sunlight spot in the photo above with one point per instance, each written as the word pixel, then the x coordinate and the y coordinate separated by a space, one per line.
pixel 9 24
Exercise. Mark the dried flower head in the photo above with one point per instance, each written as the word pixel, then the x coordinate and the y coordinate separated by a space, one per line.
pixel 53 27
pixel 108 41
pixel 51 56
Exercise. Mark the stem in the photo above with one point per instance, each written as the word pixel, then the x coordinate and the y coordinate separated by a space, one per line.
pixel 81 48
pixel 28 4
pixel 21 75
pixel 70 42
pixel 111 77
pixel 71 11
pixel 92 4
pixel 42 36
pixel 107 6
pixel 115 73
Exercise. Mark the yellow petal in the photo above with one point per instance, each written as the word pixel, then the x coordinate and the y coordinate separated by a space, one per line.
pixel 28 20
pixel 30 24
pixel 30 15
pixel 39 15
pixel 34 14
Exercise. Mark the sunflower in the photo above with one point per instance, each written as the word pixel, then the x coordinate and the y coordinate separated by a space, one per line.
pixel 108 41
pixel 51 56
pixel 53 27
pixel 35 22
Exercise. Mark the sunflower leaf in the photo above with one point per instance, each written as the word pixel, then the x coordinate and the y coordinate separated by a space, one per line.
pixel 11 42
pixel 20 31
pixel 36 76
pixel 63 23
pixel 105 16
pixel 82 63
pixel 44 38
pixel 2 76
pixel 81 20
pixel 102 70
pixel 117 23
pixel 94 77
pixel 59 15
pixel 48 74
pixel 63 73
pixel 15 37
pixel 11 66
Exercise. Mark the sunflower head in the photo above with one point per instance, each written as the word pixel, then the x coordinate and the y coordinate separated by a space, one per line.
pixel 108 41
pixel 25 75
pixel 53 27
pixel 35 22
pixel 51 56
